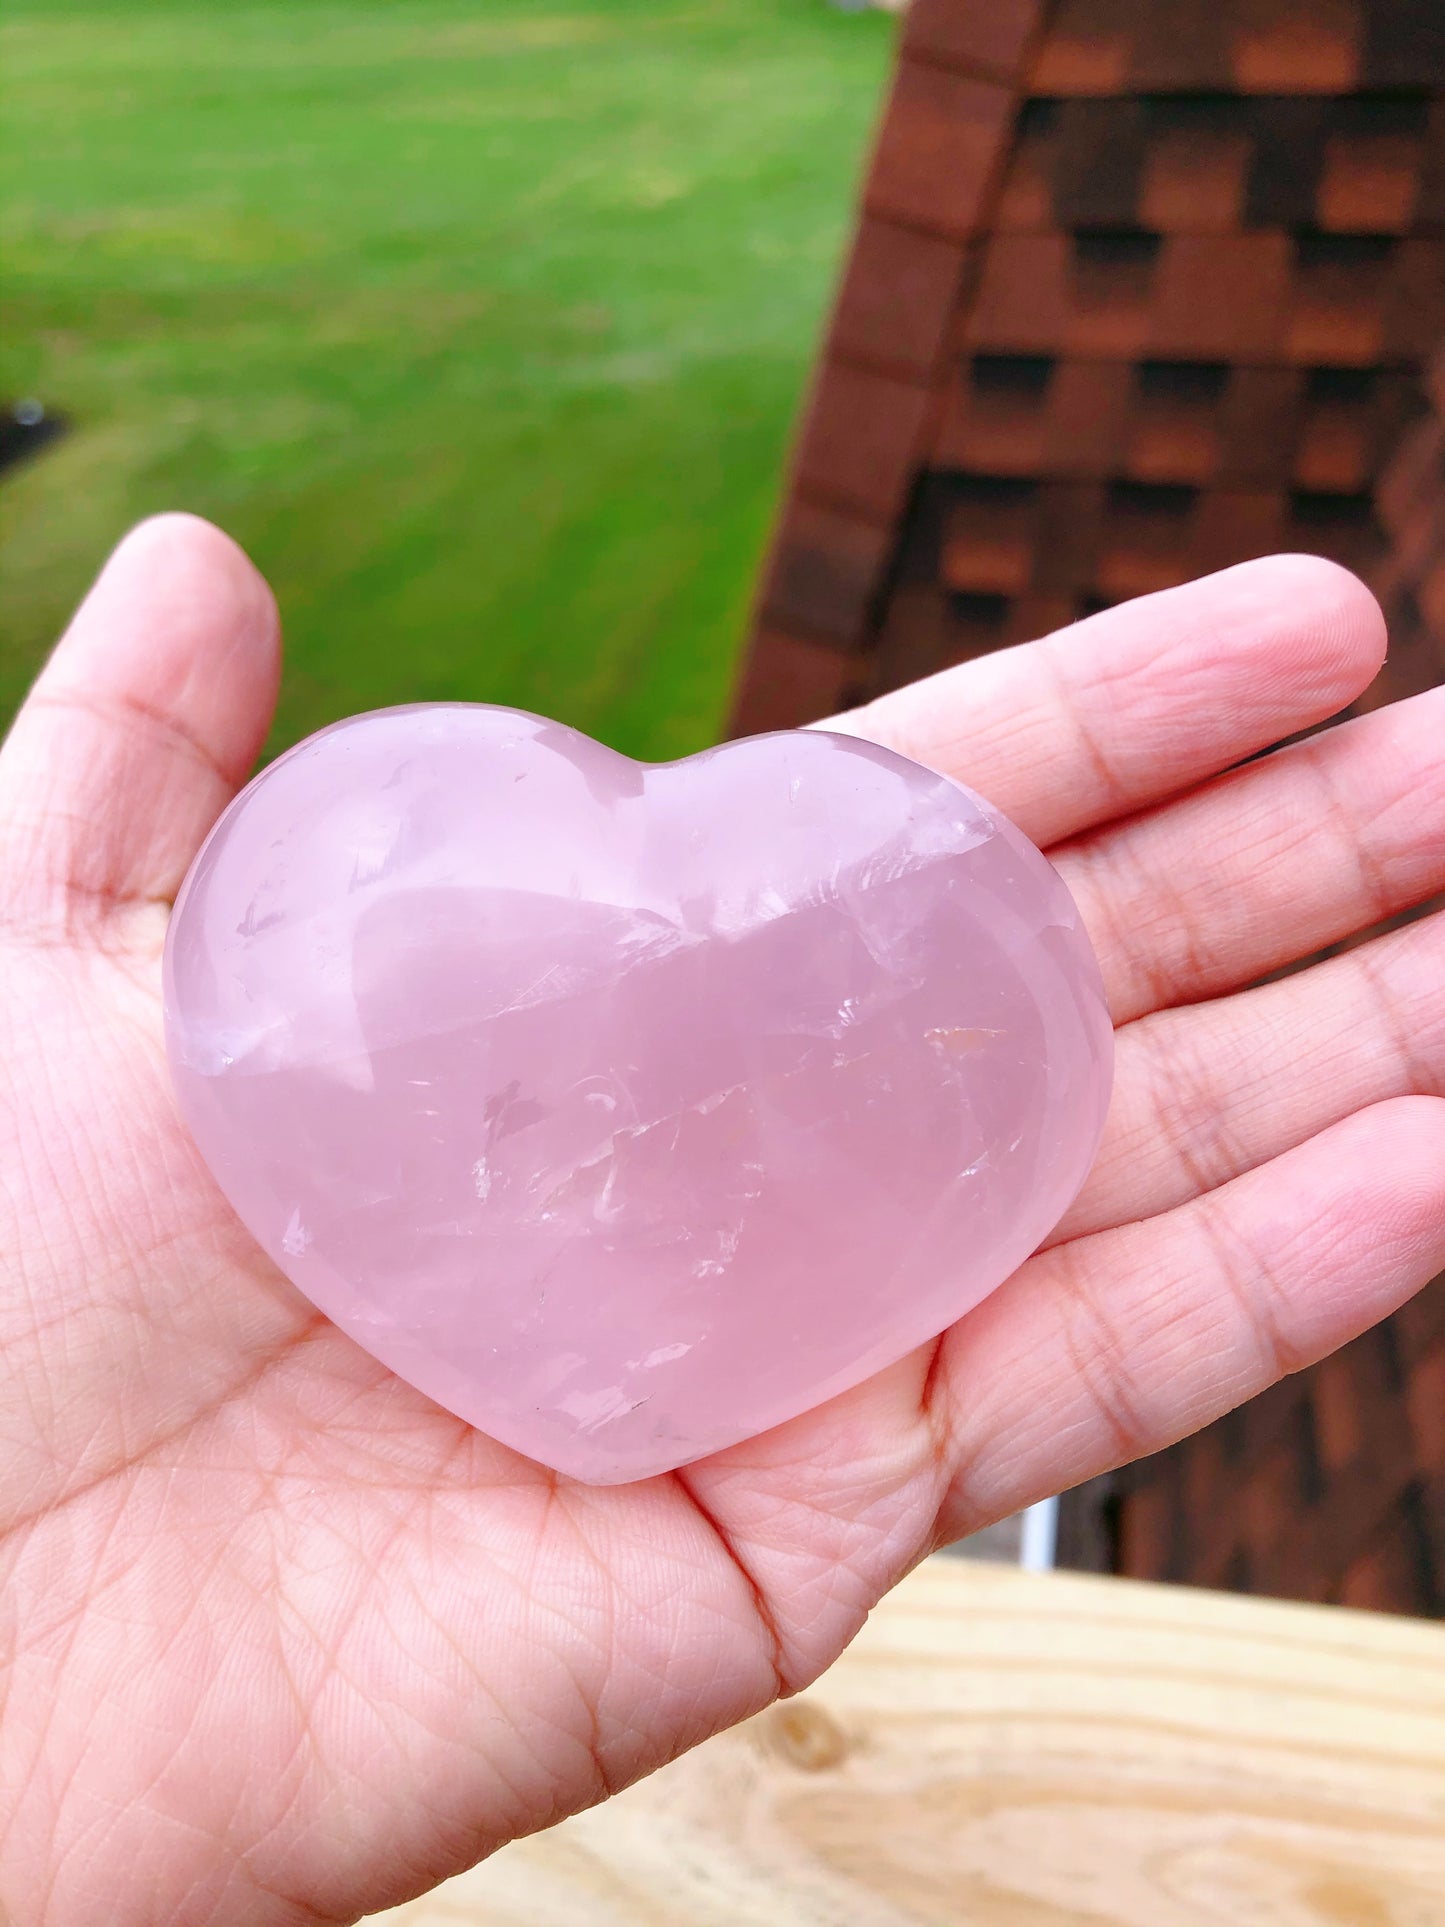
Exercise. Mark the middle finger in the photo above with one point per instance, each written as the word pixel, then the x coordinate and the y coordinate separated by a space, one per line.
pixel 1267 863
pixel 1206 1093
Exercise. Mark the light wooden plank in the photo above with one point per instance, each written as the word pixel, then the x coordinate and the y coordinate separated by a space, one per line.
pixel 1033 1750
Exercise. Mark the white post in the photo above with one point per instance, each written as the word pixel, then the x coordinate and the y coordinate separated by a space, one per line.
pixel 1040 1539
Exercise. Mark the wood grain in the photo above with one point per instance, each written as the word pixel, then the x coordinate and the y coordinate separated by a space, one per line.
pixel 1030 1750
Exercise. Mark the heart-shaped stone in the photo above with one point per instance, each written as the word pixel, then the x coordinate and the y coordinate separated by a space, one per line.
pixel 630 1109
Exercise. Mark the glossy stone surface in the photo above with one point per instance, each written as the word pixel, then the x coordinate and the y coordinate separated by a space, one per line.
pixel 628 1110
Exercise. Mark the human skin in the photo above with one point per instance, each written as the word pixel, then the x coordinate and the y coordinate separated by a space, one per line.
pixel 281 1641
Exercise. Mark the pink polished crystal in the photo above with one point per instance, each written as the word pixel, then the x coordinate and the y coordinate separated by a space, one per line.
pixel 630 1109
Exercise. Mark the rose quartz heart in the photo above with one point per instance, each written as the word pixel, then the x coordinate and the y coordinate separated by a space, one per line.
pixel 630 1109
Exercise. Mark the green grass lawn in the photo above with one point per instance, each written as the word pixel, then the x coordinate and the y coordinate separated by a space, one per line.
pixel 481 323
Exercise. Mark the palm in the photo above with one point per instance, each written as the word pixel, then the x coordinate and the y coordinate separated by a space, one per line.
pixel 289 1641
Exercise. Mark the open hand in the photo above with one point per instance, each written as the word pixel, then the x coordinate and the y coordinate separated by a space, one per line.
pixel 280 1640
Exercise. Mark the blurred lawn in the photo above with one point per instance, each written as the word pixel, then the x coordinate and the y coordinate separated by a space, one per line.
pixel 480 323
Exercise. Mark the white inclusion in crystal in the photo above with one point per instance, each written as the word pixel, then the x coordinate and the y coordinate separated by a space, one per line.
pixel 482 1179
pixel 605 1209
pixel 664 1355
pixel 727 1246
pixel 705 1106
pixel 295 1238
pixel 592 1409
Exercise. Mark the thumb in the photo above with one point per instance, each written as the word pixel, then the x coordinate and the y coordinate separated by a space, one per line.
pixel 140 729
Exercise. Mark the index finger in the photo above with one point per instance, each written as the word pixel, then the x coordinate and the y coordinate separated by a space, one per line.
pixel 1140 702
